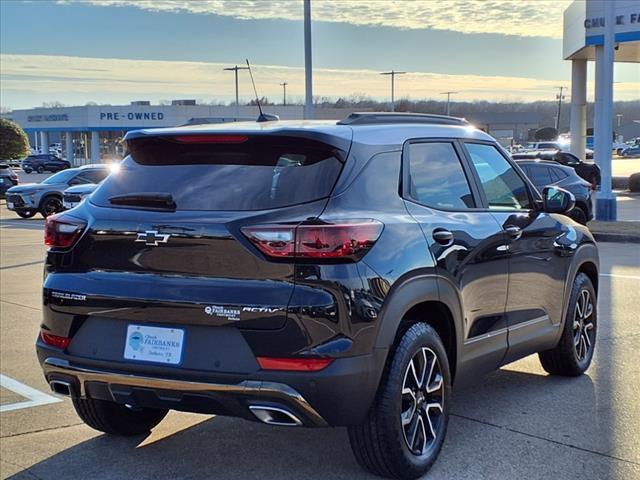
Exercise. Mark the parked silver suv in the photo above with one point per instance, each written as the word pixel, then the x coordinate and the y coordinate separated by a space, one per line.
pixel 46 197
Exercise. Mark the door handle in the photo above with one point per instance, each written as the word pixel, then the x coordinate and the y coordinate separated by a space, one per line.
pixel 442 236
pixel 513 231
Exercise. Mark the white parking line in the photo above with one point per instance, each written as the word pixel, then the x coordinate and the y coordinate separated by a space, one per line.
pixel 36 397
pixel 616 275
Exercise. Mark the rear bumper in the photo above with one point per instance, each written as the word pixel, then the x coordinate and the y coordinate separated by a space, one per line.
pixel 339 395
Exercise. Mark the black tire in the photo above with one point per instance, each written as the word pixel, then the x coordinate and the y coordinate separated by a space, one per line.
pixel 381 442
pixel 26 213
pixel 116 419
pixel 574 352
pixel 50 205
pixel 578 214
pixel 40 169
pixel 27 170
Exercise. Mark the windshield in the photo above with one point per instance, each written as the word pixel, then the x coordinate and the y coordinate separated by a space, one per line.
pixel 60 177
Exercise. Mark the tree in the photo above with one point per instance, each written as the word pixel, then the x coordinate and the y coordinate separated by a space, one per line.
pixel 14 143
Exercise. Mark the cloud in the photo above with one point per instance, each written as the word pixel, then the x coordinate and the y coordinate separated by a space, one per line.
pixel 28 80
pixel 528 18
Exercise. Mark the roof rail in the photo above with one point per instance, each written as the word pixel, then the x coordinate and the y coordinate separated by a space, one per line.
pixel 382 118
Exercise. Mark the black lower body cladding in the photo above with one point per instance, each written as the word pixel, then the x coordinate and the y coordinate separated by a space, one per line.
pixel 148 386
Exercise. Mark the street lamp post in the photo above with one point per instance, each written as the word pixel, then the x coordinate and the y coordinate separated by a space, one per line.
pixel 284 93
pixel 235 70
pixel 560 98
pixel 308 77
pixel 448 94
pixel 393 74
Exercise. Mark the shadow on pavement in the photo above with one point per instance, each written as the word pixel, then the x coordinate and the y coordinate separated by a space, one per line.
pixel 536 405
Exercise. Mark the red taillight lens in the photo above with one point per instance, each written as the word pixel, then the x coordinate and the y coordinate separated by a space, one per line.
pixel 335 241
pixel 211 138
pixel 294 364
pixel 274 241
pixel 55 340
pixel 332 241
pixel 62 231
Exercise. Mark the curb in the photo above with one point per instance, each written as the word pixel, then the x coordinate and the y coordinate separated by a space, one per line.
pixel 616 237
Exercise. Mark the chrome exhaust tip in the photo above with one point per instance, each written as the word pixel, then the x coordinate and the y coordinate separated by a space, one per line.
pixel 61 387
pixel 275 416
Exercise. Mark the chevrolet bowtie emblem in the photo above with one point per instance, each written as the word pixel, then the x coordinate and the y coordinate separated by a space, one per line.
pixel 153 238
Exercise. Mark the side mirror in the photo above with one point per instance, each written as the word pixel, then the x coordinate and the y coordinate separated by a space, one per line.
pixel 557 200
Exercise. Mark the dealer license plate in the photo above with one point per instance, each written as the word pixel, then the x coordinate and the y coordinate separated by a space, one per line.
pixel 154 344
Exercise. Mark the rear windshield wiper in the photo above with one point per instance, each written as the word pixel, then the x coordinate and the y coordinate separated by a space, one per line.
pixel 147 200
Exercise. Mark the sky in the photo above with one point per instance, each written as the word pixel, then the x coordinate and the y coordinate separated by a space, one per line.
pixel 116 51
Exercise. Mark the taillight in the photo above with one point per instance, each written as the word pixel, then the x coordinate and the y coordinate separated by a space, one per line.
pixel 294 364
pixel 55 340
pixel 345 240
pixel 62 231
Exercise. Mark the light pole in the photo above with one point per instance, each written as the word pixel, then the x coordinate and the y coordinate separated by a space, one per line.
pixel 393 74
pixel 284 93
pixel 560 98
pixel 235 70
pixel 308 77
pixel 448 94
pixel 619 118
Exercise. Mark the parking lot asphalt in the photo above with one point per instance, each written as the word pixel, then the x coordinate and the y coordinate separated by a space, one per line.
pixel 515 423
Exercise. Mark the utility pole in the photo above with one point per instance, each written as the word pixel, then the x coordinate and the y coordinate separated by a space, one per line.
pixel 448 94
pixel 284 93
pixel 235 70
pixel 393 74
pixel 560 98
pixel 308 75
pixel 619 118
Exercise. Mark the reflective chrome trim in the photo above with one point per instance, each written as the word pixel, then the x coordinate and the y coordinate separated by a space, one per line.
pixel 249 388
pixel 262 412
pixel 533 321
pixel 486 336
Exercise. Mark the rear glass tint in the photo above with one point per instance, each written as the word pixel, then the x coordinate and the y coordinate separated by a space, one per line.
pixel 256 173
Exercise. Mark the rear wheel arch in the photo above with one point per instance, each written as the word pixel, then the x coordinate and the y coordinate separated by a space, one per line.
pixel 425 299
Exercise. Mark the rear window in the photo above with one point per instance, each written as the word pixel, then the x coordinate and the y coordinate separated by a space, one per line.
pixel 250 173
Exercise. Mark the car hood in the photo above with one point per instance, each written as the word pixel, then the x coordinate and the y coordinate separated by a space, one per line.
pixel 82 189
pixel 29 188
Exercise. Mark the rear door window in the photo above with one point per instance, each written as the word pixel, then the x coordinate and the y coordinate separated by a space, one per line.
pixel 540 175
pixel 242 173
pixel 436 177
pixel 93 176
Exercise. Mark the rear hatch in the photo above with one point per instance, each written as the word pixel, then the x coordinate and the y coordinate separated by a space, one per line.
pixel 163 243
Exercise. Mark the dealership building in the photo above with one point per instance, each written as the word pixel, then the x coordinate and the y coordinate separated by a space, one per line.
pixel 90 134
pixel 603 32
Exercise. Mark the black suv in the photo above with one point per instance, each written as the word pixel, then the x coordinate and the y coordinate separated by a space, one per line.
pixel 588 171
pixel 312 274
pixel 44 162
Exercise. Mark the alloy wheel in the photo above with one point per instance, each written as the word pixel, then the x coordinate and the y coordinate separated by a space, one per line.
pixel 51 206
pixel 583 326
pixel 422 415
